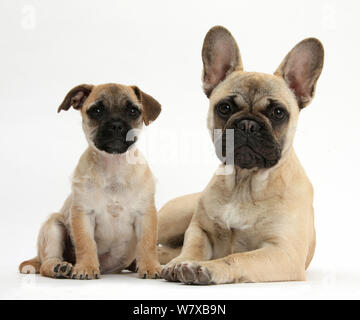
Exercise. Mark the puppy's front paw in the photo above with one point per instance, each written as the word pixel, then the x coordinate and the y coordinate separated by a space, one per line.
pixel 149 271
pixel 85 272
pixel 193 273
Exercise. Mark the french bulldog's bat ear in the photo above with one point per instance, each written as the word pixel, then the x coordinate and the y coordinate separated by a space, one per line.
pixel 301 69
pixel 152 108
pixel 76 97
pixel 220 55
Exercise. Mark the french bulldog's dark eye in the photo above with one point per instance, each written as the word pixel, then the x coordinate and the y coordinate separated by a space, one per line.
pixel 96 112
pixel 278 113
pixel 224 109
pixel 133 112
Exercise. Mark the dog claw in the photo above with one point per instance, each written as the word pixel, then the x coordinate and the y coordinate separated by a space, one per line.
pixel 85 273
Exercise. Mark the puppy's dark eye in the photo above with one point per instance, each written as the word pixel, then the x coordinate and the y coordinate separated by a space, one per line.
pixel 96 112
pixel 133 112
pixel 224 109
pixel 278 114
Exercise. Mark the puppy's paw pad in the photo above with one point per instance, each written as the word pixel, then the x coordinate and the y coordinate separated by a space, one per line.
pixel 56 268
pixel 63 270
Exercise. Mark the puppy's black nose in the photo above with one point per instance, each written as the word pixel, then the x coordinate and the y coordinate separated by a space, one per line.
pixel 116 126
pixel 247 126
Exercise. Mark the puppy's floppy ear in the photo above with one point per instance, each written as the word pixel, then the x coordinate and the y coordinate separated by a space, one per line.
pixel 301 68
pixel 220 55
pixel 152 108
pixel 76 97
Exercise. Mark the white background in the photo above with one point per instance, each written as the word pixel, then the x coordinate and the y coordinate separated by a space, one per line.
pixel 48 47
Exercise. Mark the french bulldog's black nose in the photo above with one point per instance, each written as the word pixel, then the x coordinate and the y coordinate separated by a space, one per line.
pixel 247 126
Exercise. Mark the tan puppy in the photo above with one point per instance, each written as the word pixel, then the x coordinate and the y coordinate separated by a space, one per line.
pixel 254 221
pixel 109 219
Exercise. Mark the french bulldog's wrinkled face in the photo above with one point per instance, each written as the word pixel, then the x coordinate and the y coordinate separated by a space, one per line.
pixel 255 113
pixel 113 114
pixel 260 117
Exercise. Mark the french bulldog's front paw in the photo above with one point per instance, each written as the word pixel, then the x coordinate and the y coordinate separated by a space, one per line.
pixel 63 270
pixel 169 271
pixel 85 272
pixel 150 271
pixel 194 273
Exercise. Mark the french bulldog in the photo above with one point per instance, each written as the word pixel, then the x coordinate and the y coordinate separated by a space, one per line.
pixel 254 221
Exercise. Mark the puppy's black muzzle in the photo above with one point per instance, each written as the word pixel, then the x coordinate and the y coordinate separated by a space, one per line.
pixel 112 137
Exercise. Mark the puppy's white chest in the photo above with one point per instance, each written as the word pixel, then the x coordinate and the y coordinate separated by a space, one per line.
pixel 116 199
pixel 115 207
pixel 122 199
pixel 114 228
pixel 114 188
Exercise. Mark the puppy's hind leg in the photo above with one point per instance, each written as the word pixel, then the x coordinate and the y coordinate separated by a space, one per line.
pixel 30 266
pixel 51 247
